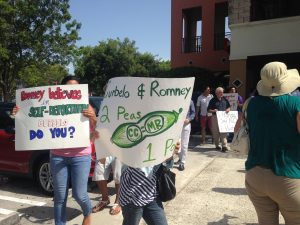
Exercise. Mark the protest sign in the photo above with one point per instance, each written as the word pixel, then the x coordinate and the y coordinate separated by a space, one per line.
pixel 227 121
pixel 140 119
pixel 233 100
pixel 50 117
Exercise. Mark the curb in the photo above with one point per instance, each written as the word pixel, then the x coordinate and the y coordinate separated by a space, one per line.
pixel 10 219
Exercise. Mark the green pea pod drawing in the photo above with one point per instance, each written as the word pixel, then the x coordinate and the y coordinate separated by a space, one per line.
pixel 128 135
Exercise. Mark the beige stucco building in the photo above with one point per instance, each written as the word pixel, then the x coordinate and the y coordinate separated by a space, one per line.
pixel 262 31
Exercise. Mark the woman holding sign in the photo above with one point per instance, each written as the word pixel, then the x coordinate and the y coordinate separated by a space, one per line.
pixel 74 164
pixel 138 196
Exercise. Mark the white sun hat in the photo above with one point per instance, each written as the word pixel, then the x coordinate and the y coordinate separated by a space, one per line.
pixel 277 80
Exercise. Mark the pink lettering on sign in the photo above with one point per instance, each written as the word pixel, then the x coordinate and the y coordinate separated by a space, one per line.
pixel 59 93
pixel 32 95
pixel 53 123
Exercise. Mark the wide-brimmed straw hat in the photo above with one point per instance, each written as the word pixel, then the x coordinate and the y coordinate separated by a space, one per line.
pixel 277 80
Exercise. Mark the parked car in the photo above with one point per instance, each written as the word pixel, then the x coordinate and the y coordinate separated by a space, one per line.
pixel 31 164
pixel 95 102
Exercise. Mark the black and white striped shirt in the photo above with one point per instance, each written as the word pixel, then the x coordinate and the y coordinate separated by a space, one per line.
pixel 136 188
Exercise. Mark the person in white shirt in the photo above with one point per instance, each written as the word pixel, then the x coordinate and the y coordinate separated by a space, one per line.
pixel 201 106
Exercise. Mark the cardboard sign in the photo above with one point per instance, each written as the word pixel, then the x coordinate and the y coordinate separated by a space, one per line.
pixel 233 100
pixel 50 117
pixel 140 119
pixel 227 121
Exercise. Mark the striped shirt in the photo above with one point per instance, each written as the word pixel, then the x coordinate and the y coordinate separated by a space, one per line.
pixel 136 188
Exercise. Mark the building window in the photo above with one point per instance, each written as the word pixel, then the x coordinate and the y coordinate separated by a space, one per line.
pixel 221 30
pixel 191 30
pixel 271 9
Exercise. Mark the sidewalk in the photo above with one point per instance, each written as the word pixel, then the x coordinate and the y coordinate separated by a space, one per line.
pixel 210 191
pixel 9 218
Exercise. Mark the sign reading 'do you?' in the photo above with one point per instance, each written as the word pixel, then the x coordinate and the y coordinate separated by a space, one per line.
pixel 140 119
pixel 227 121
pixel 50 117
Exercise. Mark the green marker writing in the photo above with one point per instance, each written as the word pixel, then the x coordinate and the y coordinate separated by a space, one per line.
pixel 128 135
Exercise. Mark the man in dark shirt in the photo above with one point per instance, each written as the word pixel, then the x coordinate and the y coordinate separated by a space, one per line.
pixel 218 103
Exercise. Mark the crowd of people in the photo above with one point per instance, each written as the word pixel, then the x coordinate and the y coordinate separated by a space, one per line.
pixel 206 114
pixel 136 191
pixel 273 163
pixel 272 166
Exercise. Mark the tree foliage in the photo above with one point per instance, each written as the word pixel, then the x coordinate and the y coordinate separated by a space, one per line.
pixel 42 75
pixel 33 33
pixel 113 57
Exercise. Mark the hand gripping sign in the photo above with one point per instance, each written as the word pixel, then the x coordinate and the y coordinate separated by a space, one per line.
pixel 140 119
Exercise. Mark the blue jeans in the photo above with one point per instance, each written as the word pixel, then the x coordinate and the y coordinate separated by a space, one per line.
pixel 153 214
pixel 63 169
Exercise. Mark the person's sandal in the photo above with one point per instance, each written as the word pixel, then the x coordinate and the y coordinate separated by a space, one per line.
pixel 100 206
pixel 115 209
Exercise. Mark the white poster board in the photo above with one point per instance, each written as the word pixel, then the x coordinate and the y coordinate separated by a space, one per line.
pixel 227 121
pixel 140 119
pixel 233 100
pixel 50 117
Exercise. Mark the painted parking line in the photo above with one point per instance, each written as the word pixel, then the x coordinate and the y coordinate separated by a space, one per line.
pixel 20 200
pixel 6 211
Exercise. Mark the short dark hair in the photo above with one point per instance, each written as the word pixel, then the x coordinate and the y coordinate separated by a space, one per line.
pixel 230 87
pixel 205 87
pixel 70 77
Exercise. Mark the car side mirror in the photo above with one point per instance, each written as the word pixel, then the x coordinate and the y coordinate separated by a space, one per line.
pixel 10 129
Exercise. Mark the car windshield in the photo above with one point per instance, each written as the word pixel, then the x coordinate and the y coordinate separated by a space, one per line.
pixel 6 119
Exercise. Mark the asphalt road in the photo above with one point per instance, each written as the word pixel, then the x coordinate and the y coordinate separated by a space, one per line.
pixel 22 196
pixel 211 190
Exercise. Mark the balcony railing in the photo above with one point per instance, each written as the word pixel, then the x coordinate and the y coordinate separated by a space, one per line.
pixel 192 44
pixel 222 41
